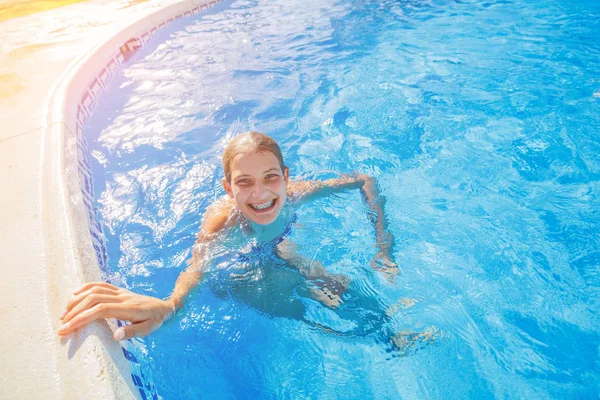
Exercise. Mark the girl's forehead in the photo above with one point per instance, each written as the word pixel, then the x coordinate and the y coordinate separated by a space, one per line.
pixel 254 162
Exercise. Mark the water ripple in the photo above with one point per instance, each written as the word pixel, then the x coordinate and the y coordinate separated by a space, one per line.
pixel 479 120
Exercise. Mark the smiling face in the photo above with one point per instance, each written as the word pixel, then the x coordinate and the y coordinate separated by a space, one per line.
pixel 258 185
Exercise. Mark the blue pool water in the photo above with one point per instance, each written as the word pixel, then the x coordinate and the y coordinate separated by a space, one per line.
pixel 480 120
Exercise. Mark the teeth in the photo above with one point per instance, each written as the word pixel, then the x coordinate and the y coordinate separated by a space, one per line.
pixel 263 206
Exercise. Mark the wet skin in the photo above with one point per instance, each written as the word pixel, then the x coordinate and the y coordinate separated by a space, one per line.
pixel 258 188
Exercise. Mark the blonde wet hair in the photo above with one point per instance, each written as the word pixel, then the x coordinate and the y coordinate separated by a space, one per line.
pixel 248 142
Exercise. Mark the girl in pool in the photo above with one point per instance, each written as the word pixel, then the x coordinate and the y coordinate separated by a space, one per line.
pixel 259 195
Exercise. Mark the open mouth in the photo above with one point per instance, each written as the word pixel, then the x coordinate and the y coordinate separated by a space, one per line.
pixel 263 207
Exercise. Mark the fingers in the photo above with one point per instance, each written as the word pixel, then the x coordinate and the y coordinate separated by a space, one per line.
pixel 387 267
pixel 83 295
pixel 101 310
pixel 332 300
pixel 140 329
pixel 390 263
pixel 90 285
pixel 88 302
pixel 326 297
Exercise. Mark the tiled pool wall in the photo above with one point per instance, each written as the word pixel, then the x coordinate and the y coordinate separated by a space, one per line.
pixel 89 83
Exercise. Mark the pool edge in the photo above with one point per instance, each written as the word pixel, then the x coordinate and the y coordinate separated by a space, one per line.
pixel 90 364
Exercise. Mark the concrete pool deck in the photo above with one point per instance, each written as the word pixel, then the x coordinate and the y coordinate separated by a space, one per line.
pixel 10 9
pixel 45 254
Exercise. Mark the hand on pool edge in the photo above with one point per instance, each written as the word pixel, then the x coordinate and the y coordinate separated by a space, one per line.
pixel 97 300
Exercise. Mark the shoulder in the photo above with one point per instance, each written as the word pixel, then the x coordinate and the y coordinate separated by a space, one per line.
pixel 216 218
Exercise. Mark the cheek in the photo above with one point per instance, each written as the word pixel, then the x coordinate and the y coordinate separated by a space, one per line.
pixel 279 186
pixel 281 190
pixel 239 195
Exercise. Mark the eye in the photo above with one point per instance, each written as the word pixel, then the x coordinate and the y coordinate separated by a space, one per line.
pixel 243 181
pixel 272 176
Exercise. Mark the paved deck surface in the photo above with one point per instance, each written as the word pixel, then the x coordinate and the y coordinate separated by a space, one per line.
pixel 35 50
pixel 19 8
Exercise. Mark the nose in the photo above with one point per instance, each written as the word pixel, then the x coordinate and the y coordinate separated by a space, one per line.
pixel 259 190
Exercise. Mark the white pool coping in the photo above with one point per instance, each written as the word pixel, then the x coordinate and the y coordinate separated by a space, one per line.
pixel 46 220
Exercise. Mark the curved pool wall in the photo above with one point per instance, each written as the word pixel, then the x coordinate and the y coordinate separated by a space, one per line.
pixel 79 98
pixel 67 236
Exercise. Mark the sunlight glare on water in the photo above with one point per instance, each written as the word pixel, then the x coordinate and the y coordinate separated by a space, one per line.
pixel 480 120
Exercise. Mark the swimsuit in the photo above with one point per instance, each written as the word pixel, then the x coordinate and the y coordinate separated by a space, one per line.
pixel 259 250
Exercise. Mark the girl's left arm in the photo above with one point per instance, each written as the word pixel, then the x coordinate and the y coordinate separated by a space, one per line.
pixel 384 260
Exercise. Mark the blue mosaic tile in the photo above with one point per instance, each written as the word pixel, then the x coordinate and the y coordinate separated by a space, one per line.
pixel 143 393
pixel 84 110
pixel 137 381
pixel 83 154
pixel 129 355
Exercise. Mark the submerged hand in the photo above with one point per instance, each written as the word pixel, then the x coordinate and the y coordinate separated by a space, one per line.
pixel 97 300
pixel 384 263
pixel 325 296
pixel 328 289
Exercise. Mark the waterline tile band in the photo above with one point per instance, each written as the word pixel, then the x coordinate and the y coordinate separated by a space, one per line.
pixel 72 103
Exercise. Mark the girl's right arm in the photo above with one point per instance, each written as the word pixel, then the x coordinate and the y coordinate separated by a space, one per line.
pixel 97 300
pixel 216 218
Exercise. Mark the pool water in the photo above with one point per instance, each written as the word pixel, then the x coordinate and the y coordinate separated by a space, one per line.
pixel 480 120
